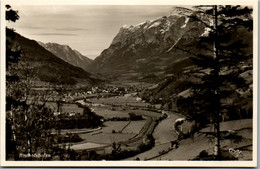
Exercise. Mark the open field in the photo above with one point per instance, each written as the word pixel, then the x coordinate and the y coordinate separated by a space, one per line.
pixel 118 131
pixel 105 135
pixel 105 138
pixel 86 146
pixel 72 107
pixel 145 113
pixel 134 127
pixel 108 113
pixel 151 153
pixel 66 107
pixel 77 131
pixel 114 125
pixel 165 132
pixel 121 100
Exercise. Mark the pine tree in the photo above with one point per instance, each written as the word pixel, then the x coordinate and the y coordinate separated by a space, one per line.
pixel 227 52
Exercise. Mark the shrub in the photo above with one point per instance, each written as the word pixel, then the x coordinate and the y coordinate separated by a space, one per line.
pixel 203 154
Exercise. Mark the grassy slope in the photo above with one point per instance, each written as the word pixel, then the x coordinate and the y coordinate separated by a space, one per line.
pixel 191 147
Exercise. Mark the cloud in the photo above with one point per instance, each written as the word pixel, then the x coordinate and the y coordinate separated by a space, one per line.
pixel 56 34
pixel 87 28
pixel 70 29
pixel 33 27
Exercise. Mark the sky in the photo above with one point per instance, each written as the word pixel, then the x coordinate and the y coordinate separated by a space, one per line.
pixel 88 29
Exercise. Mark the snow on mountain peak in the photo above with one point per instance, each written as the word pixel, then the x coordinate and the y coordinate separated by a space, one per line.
pixel 184 11
pixel 154 24
pixel 127 26
pixel 153 31
pixel 67 48
pixel 206 32
pixel 185 23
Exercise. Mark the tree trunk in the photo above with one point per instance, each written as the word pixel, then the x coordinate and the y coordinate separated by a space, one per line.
pixel 216 76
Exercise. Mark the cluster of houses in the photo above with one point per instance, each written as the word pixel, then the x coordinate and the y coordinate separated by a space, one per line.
pixel 71 96
pixel 69 114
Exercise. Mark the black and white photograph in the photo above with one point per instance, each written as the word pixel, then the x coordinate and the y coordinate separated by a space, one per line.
pixel 140 83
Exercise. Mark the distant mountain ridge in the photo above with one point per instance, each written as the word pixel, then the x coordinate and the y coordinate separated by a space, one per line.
pixel 67 54
pixel 49 68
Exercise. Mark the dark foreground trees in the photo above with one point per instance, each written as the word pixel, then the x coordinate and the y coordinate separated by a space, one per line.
pixel 28 121
pixel 32 129
pixel 228 40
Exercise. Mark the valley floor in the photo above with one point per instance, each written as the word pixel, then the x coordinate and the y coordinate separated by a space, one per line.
pixel 164 133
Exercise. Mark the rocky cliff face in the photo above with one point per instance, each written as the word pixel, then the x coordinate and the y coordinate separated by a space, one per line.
pixel 67 54
pixel 147 49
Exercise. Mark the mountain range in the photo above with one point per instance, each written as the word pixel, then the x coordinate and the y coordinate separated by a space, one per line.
pixel 47 67
pixel 147 51
pixel 150 51
pixel 67 54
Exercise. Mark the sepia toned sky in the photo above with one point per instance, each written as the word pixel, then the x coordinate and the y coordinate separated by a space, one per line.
pixel 87 28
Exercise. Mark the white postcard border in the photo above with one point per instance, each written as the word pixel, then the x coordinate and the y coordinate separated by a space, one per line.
pixel 252 163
